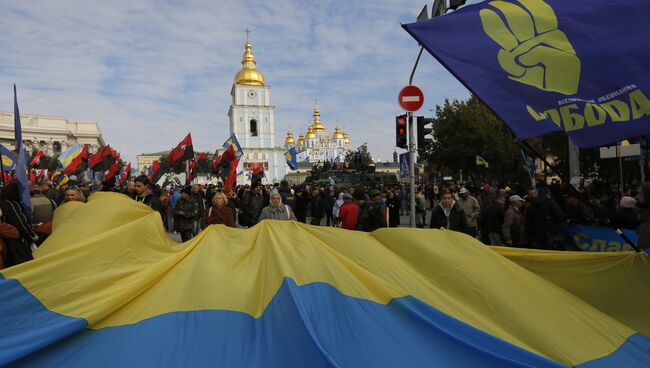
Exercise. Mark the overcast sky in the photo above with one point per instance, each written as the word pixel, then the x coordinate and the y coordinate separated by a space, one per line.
pixel 150 71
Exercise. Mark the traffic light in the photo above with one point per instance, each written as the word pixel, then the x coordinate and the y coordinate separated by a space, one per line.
pixel 400 132
pixel 424 129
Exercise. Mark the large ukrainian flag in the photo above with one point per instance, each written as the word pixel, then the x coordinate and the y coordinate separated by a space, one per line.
pixel 108 288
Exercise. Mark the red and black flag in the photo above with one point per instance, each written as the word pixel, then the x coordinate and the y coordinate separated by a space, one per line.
pixel 102 160
pixel 222 165
pixel 202 156
pixel 154 172
pixel 183 152
pixel 126 171
pixel 257 171
pixel 79 163
pixel 37 159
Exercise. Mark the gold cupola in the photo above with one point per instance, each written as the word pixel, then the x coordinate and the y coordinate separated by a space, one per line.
pixel 289 140
pixel 301 140
pixel 317 126
pixel 346 140
pixel 249 75
pixel 338 134
pixel 310 133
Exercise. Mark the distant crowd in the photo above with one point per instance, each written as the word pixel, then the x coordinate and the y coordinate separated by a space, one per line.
pixel 496 214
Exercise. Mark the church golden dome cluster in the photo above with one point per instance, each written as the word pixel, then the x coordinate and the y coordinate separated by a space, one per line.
pixel 316 130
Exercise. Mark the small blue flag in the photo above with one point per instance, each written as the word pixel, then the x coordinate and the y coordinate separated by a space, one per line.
pixel 528 163
pixel 290 156
pixel 234 143
pixel 8 159
pixel 21 164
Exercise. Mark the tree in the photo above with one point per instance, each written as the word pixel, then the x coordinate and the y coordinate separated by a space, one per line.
pixel 464 129
pixel 359 159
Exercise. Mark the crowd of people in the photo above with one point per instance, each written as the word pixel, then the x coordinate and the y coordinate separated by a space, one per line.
pixel 495 214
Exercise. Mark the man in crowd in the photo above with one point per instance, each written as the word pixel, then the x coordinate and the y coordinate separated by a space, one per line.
pixel 251 205
pixel 349 212
pixel 371 217
pixel 316 208
pixel 514 229
pixel 185 213
pixel 142 193
pixel 492 221
pixel 471 208
pixel 543 217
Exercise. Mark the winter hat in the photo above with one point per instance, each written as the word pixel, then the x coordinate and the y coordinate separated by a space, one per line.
pixel 628 202
pixel 463 190
pixel 515 198
pixel 187 189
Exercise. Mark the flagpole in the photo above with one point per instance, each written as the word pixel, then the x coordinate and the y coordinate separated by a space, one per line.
pixel 2 169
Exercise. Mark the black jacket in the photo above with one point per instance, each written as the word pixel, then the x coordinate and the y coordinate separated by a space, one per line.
pixel 371 217
pixel 492 218
pixel 316 208
pixel 543 218
pixel 456 220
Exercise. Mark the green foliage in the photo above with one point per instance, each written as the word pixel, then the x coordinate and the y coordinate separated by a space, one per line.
pixel 464 129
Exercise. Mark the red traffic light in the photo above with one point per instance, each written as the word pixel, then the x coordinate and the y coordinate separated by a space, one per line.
pixel 401 140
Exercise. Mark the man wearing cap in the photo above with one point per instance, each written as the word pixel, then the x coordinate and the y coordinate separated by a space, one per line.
pixel 371 217
pixel 513 229
pixel 471 208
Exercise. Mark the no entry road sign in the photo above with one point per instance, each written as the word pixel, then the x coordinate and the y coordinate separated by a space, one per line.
pixel 411 98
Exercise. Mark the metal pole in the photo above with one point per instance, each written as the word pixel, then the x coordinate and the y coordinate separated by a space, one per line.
pixel 412 222
pixel 620 171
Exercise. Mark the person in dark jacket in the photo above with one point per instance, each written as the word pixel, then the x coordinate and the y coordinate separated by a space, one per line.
pixel 11 212
pixel 514 230
pixel 393 203
pixel 644 226
pixel 251 206
pixel 448 214
pixel 301 204
pixel 316 207
pixel 492 221
pixel 627 216
pixel 143 194
pixel 371 217
pixel 543 217
pixel 328 205
pixel 185 213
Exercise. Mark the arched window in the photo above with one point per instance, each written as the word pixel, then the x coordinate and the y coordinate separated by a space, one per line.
pixel 253 126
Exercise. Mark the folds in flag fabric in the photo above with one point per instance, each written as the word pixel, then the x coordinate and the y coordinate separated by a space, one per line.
pixel 224 164
pixel 480 161
pixel 528 163
pixel 287 294
pixel 234 143
pixel 8 159
pixel 36 160
pixel 183 152
pixel 21 164
pixel 257 173
pixel 202 157
pixel 551 65
pixel 79 163
pixel 290 157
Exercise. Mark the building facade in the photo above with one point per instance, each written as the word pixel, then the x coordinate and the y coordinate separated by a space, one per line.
pixel 251 117
pixel 317 145
pixel 51 134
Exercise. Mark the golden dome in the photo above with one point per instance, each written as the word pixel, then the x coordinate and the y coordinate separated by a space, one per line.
pixel 249 75
pixel 317 126
pixel 310 133
pixel 337 134
pixel 289 140
pixel 346 140
pixel 301 140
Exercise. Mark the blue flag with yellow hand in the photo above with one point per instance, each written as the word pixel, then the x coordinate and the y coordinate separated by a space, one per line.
pixel 290 156
pixel 8 159
pixel 234 143
pixel 551 65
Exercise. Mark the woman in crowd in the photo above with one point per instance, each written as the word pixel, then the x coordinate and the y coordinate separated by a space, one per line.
pixel 219 212
pixel 393 204
pixel 73 193
pixel 276 210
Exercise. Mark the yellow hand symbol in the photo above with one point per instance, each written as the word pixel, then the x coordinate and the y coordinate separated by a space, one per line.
pixel 533 50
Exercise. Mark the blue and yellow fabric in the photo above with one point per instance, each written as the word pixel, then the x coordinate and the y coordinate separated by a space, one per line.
pixel 8 159
pixel 109 288
pixel 544 66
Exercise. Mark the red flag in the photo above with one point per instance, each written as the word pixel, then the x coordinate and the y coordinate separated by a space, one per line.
pixel 257 172
pixel 125 174
pixel 37 159
pixel 183 152
pixel 232 176
pixel 102 160
pixel 32 176
pixel 202 156
pixel 41 174
pixel 153 170
pixel 112 171
pixel 79 163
